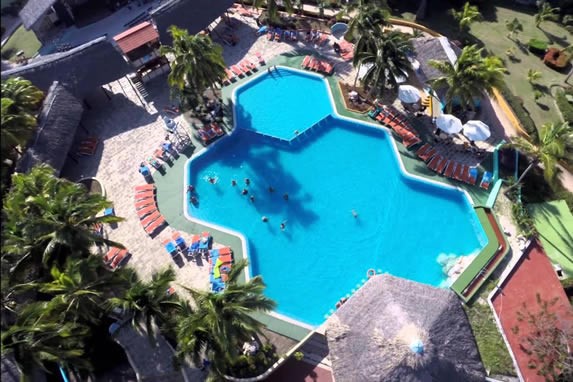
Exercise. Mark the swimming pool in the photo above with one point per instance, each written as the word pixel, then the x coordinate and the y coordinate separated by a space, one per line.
pixel 337 167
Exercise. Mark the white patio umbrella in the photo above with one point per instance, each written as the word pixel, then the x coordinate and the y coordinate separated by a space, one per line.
pixel 476 130
pixel 449 123
pixel 408 94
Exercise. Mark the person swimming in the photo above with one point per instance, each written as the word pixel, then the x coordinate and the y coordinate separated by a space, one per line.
pixel 285 196
pixel 354 213
pixel 265 219
pixel 245 191
pixel 271 189
pixel 247 181
pixel 252 198
pixel 191 188
pixel 212 180
pixel 233 182
pixel 193 200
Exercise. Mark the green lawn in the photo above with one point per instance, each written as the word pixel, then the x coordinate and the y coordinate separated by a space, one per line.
pixel 21 40
pixel 493 34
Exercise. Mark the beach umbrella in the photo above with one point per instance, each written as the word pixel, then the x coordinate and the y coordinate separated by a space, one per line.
pixel 408 94
pixel 476 131
pixel 449 123
pixel 338 30
pixel 262 29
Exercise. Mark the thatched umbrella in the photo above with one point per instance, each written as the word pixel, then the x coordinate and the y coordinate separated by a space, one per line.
pixel 433 48
pixel 393 329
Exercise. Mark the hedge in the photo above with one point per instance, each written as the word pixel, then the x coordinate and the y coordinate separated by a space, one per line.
pixel 564 106
pixel 522 114
pixel 537 46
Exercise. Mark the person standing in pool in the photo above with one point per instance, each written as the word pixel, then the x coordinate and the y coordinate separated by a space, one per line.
pixel 191 188
pixel 283 225
pixel 247 181
pixel 271 189
pixel 212 180
pixel 285 196
pixel 233 182
pixel 245 191
pixel 252 198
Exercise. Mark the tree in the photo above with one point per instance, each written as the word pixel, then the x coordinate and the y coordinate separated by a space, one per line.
pixel 546 13
pixel 386 57
pixel 20 102
pixel 547 342
pixel 147 301
pixel 39 341
pixel 553 143
pixel 273 7
pixel 469 77
pixel 48 219
pixel 222 322
pixel 533 75
pixel 466 16
pixel 513 27
pixel 197 62
pixel 367 17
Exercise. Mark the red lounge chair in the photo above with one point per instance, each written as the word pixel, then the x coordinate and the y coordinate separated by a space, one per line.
pixel 146 211
pixel 427 155
pixel 425 147
pixel 118 259
pixel 327 68
pixel 245 68
pixel 442 166
pixel 450 169
pixel 225 258
pixel 149 219
pixel 144 187
pixel 110 255
pixel 216 129
pixel 260 58
pixel 237 71
pixel 306 62
pixel 411 141
pixel 250 65
pixel 322 39
pixel 459 171
pixel 466 175
pixel 156 224
pixel 144 195
pixel 144 203
pixel 435 162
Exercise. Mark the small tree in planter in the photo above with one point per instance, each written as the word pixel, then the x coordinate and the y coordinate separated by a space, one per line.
pixel 557 59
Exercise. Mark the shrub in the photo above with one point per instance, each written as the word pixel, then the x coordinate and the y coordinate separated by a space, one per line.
pixel 564 106
pixel 556 59
pixel 536 46
pixel 516 104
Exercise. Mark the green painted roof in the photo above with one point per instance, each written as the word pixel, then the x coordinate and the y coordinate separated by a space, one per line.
pixel 554 223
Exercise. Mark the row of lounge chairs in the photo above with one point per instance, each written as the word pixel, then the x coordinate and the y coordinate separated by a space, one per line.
pixel 320 66
pixel 146 208
pixel 210 132
pixel 316 36
pixel 392 117
pixel 116 257
pixel 451 168
pixel 242 69
pixel 220 263
pixel 277 34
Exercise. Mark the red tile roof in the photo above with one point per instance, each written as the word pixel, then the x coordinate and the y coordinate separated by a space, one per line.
pixel 137 36
pixel 532 275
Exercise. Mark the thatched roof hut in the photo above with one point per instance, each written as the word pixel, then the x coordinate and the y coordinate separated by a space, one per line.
pixel 57 124
pixel 82 69
pixel 193 15
pixel 394 329
pixel 433 48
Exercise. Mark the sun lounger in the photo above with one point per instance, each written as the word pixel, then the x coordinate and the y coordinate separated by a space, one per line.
pixel 473 175
pixel 250 65
pixel 435 162
pixel 194 247
pixel 486 180
pixel 118 259
pixel 306 62
pixel 260 58
pixel 144 195
pixel 425 147
pixel 146 211
pixel 113 251
pixel 466 174
pixel 459 172
pixel 170 248
pixel 450 169
pixel 325 67
pixel 154 163
pixel 442 166
pixel 216 129
pixel 427 155
pixel 149 219
pixel 278 34
pixel 156 224
pixel 144 187
pixel 245 68
pixel 179 241
pixel 205 241
pixel 411 141
pixel 144 203
pixel 322 39
pixel 144 170
pixel 237 71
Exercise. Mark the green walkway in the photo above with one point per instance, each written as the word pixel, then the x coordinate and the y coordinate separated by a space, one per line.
pixel 554 223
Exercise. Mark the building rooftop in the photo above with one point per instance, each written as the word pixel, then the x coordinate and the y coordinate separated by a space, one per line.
pixel 137 36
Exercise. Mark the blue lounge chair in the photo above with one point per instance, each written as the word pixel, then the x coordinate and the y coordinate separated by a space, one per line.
pixel 179 241
pixel 473 176
pixel 170 248
pixel 486 180
pixel 109 212
pixel 144 170
pixel 205 241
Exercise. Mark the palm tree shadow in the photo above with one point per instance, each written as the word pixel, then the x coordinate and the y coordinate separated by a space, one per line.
pixel 553 39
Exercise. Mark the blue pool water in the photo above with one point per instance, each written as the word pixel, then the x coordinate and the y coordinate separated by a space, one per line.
pixel 324 253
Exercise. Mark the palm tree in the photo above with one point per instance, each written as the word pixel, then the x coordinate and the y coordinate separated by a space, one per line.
pixel 545 13
pixel 469 77
pixel 48 219
pixel 554 142
pixel 533 75
pixel 198 62
pixel 146 301
pixel 468 15
pixel 513 27
pixel 39 341
pixel 386 57
pixel 20 102
pixel 222 322
pixel 273 7
pixel 367 17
